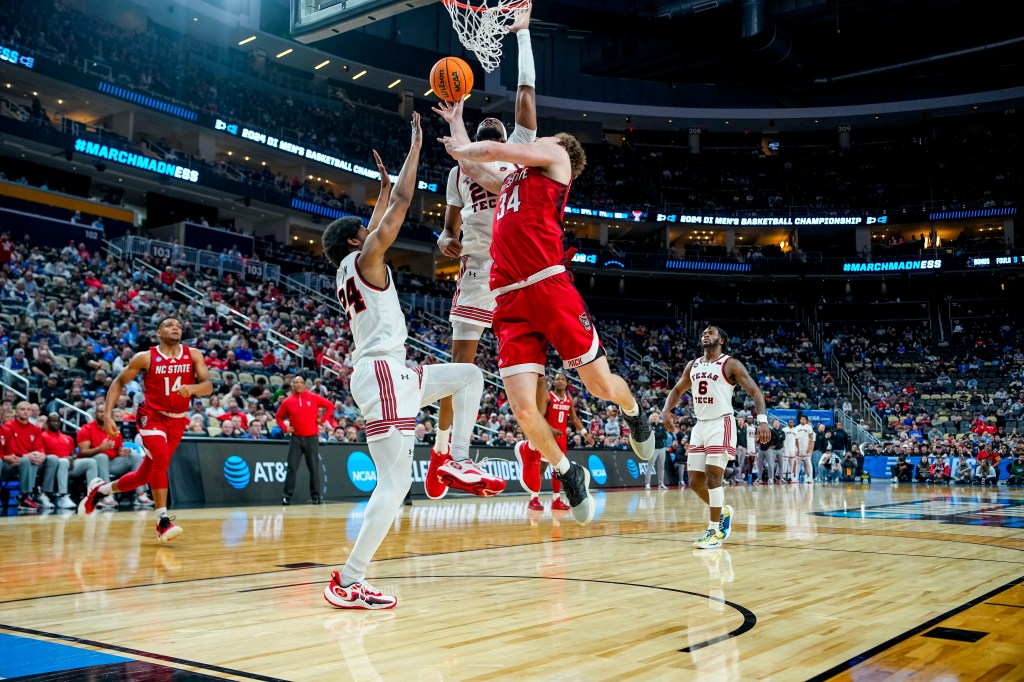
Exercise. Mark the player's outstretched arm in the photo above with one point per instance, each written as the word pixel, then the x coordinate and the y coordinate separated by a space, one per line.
pixel 551 158
pixel 371 261
pixel 526 93
pixel 672 399
pixel 139 363
pixel 384 197
pixel 484 174
pixel 737 373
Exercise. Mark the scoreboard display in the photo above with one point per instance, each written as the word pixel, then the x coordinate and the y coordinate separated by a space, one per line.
pixel 313 20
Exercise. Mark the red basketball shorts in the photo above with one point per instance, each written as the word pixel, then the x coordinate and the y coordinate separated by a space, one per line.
pixel 548 312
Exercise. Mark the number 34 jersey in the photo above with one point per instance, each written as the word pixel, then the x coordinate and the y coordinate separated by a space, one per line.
pixel 527 233
pixel 712 391
pixel 374 314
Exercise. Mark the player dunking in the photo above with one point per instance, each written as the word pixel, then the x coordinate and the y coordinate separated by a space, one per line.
pixel 467 235
pixel 712 378
pixel 557 408
pixel 174 374
pixel 537 303
pixel 388 393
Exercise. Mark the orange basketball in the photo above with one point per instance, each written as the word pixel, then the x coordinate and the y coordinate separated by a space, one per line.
pixel 451 79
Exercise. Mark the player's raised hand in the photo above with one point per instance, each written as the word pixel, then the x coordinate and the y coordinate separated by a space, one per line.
pixel 417 131
pixel 385 179
pixel 449 111
pixel 522 20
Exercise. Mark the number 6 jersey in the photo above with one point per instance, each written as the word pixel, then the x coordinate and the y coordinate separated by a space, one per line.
pixel 711 390
pixel 374 315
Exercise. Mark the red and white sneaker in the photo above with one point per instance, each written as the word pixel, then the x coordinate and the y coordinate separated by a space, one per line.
pixel 559 505
pixel 529 466
pixel 535 504
pixel 92 497
pixel 167 531
pixel 432 485
pixel 466 475
pixel 361 595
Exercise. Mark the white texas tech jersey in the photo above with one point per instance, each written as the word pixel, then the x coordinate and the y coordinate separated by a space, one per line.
pixel 374 315
pixel 712 392
pixel 478 204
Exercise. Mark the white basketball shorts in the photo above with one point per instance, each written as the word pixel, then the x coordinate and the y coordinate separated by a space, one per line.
pixel 474 301
pixel 712 441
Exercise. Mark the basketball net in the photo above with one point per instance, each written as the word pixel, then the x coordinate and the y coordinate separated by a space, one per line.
pixel 481 24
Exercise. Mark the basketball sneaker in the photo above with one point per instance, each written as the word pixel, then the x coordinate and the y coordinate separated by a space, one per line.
pixel 557 504
pixel 641 437
pixel 709 540
pixel 167 531
pixel 535 504
pixel 432 484
pixel 529 466
pixel 144 500
pixel 92 497
pixel 27 504
pixel 359 595
pixel 575 484
pixel 725 521
pixel 466 475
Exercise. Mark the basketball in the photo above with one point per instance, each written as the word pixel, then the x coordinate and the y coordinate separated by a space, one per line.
pixel 451 79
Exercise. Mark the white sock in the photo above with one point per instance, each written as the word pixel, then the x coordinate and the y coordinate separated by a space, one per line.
pixel 441 444
pixel 563 465
pixel 534 496
pixel 632 411
pixel 106 489
pixel 161 512
pixel 712 525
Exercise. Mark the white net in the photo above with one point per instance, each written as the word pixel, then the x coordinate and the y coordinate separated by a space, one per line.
pixel 481 24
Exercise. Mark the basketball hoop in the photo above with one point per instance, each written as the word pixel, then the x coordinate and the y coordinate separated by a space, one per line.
pixel 481 24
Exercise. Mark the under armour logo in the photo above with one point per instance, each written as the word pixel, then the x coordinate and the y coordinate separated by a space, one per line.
pixel 405 377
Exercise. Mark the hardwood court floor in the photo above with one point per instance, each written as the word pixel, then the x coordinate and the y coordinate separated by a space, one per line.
pixel 816 582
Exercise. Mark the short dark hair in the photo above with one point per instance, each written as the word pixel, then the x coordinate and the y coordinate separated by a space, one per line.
pixel 722 334
pixel 336 236
pixel 165 318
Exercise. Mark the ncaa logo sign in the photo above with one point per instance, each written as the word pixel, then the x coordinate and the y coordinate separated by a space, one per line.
pixel 362 472
pixel 597 470
pixel 236 471
pixel 632 468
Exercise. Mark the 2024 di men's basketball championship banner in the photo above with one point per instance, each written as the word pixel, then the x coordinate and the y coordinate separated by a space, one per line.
pixel 239 472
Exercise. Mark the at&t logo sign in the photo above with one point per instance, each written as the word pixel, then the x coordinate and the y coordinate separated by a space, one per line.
pixel 362 472
pixel 236 471
pixel 597 470
pixel 632 468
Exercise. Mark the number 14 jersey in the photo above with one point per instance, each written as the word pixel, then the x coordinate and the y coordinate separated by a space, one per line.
pixel 712 391
pixel 374 314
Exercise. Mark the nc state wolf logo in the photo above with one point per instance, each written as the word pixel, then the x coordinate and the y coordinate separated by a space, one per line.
pixel 585 321
pixel 143 420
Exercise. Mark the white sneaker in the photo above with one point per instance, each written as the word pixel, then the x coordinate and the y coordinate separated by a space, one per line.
pixel 144 500
pixel 44 501
pixel 466 475
pixel 361 595
pixel 64 502
pixel 647 487
pixel 107 502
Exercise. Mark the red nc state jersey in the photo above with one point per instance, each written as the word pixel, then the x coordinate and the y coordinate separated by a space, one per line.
pixel 163 379
pixel 527 231
pixel 558 411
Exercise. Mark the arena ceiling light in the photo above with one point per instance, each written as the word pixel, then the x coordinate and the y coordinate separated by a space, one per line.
pixel 322 64
pixel 359 75
pixel 397 81
pixel 285 53
pixel 247 40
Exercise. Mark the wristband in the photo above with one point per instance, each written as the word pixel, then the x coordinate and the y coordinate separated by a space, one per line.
pixel 762 419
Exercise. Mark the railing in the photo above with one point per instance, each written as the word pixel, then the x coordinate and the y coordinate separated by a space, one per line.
pixel 10 379
pixel 293 282
pixel 81 416
pixel 186 256
pixel 857 432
